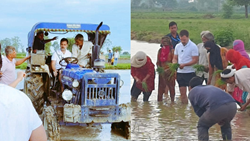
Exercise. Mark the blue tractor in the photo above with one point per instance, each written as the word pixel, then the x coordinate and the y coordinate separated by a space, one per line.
pixel 90 95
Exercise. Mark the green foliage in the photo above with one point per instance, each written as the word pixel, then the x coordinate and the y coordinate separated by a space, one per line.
pixel 118 48
pixel 219 82
pixel 172 67
pixel 145 86
pixel 123 66
pixel 160 70
pixel 241 3
pixel 15 42
pixel 22 66
pixel 218 72
pixel 199 68
pixel 227 11
pixel 70 44
pixel 224 37
pixel 47 45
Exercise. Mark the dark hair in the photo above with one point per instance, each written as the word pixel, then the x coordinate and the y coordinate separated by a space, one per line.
pixel 195 81
pixel 172 23
pixel 79 37
pixel 184 33
pixel 64 39
pixel 39 32
pixel 166 39
pixel 225 71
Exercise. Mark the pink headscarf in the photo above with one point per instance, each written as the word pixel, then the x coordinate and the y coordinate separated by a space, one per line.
pixel 239 46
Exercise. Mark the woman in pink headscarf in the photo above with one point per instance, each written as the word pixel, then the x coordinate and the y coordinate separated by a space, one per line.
pixel 239 46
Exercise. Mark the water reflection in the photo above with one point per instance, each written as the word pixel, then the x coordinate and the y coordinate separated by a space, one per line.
pixel 173 121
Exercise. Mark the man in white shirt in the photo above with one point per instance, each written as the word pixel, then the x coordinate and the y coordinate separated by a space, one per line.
pixel 203 56
pixel 116 56
pixel 19 119
pixel 240 78
pixel 9 64
pixel 82 50
pixel 186 54
pixel 59 55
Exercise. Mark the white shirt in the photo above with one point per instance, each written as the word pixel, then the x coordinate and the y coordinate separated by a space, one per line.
pixel 116 54
pixel 203 59
pixel 242 80
pixel 58 55
pixel 9 71
pixel 81 55
pixel 18 117
pixel 185 54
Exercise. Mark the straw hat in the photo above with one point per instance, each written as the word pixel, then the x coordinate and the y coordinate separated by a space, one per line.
pixel 139 59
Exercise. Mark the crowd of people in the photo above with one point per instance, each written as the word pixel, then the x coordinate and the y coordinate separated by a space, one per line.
pixel 113 57
pixel 225 72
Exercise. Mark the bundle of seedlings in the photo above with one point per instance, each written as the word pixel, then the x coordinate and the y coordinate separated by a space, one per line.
pixel 219 82
pixel 199 68
pixel 172 67
pixel 160 70
pixel 145 86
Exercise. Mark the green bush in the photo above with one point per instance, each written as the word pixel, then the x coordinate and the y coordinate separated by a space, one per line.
pixel 224 37
pixel 227 11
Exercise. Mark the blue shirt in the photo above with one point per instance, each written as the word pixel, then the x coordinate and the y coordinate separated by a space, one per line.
pixel 110 55
pixel 207 97
pixel 175 41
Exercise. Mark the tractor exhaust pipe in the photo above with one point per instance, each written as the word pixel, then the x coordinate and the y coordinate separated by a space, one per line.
pixel 96 48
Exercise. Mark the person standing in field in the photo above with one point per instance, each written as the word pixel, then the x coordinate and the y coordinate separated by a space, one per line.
pixel 186 55
pixel 116 56
pixel 142 70
pixel 164 56
pixel 238 45
pixel 203 57
pixel 175 39
pixel 110 55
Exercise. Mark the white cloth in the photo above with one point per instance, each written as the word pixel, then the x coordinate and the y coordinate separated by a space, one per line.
pixel 242 80
pixel 8 70
pixel 116 55
pixel 59 55
pixel 203 59
pixel 18 117
pixel 81 55
pixel 185 54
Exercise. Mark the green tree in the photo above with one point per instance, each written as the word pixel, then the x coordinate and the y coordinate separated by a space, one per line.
pixel 47 45
pixel 16 42
pixel 241 3
pixel 118 48
pixel 107 43
pixel 227 11
pixel 70 44
pixel 5 42
pixel 56 45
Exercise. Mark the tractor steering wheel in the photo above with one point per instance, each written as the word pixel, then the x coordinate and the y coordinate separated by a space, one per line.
pixel 68 60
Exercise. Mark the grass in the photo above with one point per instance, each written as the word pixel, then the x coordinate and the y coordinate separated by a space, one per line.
pixel 151 26
pixel 118 67
pixel 123 66
pixel 123 57
pixel 22 66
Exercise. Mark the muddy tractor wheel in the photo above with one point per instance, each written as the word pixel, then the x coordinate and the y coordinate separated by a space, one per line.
pixel 51 125
pixel 34 89
pixel 124 127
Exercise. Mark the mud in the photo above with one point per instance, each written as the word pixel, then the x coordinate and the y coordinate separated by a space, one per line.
pixel 173 122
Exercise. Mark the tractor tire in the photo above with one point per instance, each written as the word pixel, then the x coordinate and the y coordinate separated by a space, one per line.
pixel 51 125
pixel 34 89
pixel 124 127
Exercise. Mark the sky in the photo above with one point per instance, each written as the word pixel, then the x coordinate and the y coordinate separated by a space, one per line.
pixel 17 17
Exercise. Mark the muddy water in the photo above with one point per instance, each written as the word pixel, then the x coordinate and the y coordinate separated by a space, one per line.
pixel 165 121
pixel 99 132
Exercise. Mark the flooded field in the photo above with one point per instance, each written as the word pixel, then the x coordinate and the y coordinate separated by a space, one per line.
pixel 99 132
pixel 158 121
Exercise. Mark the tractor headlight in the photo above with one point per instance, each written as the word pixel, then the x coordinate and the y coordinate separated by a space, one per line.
pixel 75 83
pixel 67 95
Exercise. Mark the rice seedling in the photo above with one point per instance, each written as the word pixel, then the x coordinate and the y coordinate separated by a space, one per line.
pixel 172 67
pixel 199 68
pixel 145 86
pixel 160 70
pixel 219 82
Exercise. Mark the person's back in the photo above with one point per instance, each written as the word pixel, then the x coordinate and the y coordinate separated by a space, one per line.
pixel 18 117
pixel 208 97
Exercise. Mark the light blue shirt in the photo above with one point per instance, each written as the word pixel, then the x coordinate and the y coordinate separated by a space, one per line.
pixel 110 55
pixel 185 54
